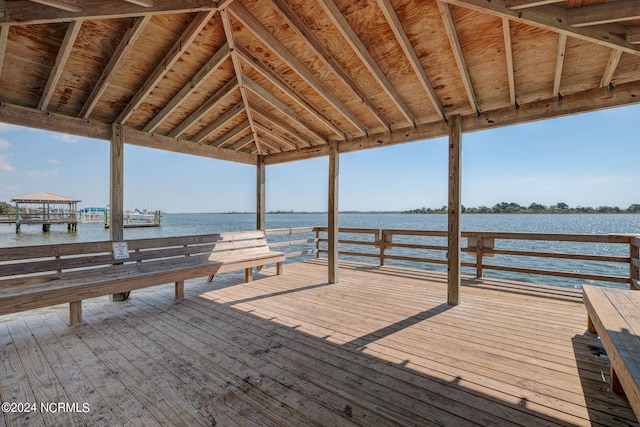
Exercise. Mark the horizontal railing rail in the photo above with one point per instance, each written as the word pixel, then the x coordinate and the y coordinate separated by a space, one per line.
pixel 283 240
pixel 498 250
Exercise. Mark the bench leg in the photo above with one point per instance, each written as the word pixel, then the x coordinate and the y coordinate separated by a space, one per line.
pixel 248 275
pixel 75 313
pixel 260 267
pixel 590 326
pixel 278 268
pixel 180 290
pixel 615 382
pixel 211 277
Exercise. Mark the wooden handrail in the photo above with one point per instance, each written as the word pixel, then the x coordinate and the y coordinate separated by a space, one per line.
pixel 484 246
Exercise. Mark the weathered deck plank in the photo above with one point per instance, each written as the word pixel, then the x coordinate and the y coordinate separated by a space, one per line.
pixel 379 348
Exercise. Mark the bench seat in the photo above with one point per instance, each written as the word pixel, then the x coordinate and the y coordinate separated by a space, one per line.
pixel 42 276
pixel 614 314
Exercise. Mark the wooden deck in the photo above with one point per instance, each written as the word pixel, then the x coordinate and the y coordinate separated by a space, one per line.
pixel 380 348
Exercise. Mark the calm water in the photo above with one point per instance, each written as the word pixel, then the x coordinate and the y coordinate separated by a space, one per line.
pixel 186 224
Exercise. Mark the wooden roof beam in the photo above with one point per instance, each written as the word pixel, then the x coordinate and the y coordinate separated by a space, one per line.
pixel 579 102
pixel 220 141
pixel 316 45
pixel 610 69
pixel 230 114
pixel 450 29
pixel 67 7
pixel 216 60
pixel 605 13
pixel 21 12
pixel 237 66
pixel 163 67
pixel 282 125
pixel 277 81
pixel 261 32
pixel 126 43
pixel 228 88
pixel 523 4
pixel 61 60
pixel 34 118
pixel 279 105
pixel 369 62
pixel 410 53
pixel 557 76
pixel 553 18
pixel 508 50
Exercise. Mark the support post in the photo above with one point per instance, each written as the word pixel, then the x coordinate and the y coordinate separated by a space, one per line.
pixel 454 234
pixel 260 195
pixel 75 313
pixel 334 175
pixel 634 272
pixel 116 193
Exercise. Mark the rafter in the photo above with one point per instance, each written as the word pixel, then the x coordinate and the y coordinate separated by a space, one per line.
pixel 224 138
pixel 228 88
pixel 277 81
pixel 4 37
pixel 73 7
pixel 610 69
pixel 243 143
pixel 605 13
pixel 523 4
pixel 410 53
pixel 61 60
pixel 282 125
pixel 452 34
pixel 508 50
pixel 216 60
pixel 316 45
pixel 229 114
pixel 557 76
pixel 552 18
pixel 163 67
pixel 142 3
pixel 237 66
pixel 22 12
pixel 368 61
pixel 279 105
pixel 259 30
pixel 126 43
pixel 276 137
pixel 270 145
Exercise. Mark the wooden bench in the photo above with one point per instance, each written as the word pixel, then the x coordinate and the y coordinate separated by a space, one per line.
pixel 614 314
pixel 41 276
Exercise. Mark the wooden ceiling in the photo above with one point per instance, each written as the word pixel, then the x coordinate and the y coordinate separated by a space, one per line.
pixel 282 79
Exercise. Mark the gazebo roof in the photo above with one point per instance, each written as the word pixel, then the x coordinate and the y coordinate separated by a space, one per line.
pixel 44 198
pixel 284 78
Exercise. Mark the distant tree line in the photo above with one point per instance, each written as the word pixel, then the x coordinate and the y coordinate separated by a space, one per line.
pixel 6 209
pixel 505 207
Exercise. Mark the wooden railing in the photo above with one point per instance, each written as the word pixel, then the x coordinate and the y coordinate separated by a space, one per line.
pixel 281 239
pixel 496 250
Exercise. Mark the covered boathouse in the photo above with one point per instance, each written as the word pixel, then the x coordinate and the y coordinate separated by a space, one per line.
pixel 325 343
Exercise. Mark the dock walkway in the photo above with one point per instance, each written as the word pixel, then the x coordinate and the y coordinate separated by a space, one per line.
pixel 380 348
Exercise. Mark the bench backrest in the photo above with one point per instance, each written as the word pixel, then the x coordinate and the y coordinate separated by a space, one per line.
pixel 28 264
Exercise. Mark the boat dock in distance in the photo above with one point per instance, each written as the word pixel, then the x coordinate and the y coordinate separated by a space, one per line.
pixel 51 209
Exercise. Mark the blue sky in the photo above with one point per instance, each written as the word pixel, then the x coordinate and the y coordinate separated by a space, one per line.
pixel 590 159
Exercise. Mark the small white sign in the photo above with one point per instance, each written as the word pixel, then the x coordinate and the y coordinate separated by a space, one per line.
pixel 120 250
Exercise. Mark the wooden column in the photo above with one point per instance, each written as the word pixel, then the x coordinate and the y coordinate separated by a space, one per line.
pixel 116 193
pixel 454 235
pixel 260 195
pixel 334 174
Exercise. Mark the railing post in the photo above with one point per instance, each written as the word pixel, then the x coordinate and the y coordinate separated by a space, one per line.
pixel 381 238
pixel 317 243
pixel 634 266
pixel 479 255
